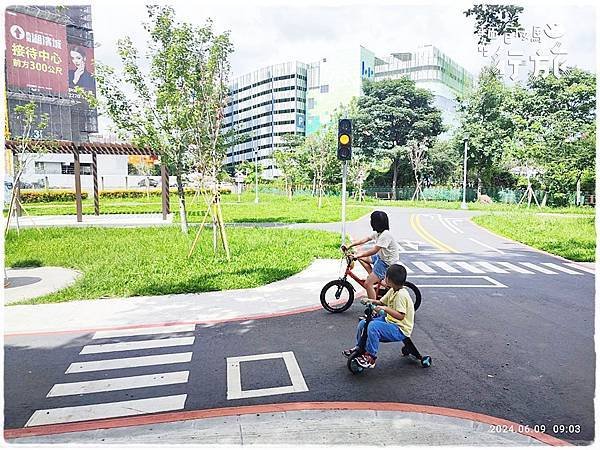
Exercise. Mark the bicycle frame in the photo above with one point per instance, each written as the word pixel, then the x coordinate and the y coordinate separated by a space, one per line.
pixel 356 278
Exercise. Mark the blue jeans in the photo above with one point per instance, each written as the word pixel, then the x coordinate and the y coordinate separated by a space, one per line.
pixel 379 331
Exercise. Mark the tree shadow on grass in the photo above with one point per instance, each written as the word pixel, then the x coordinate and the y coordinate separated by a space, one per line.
pixel 214 282
pixel 22 263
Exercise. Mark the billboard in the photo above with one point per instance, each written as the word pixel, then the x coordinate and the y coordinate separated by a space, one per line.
pixel 36 54
pixel 81 69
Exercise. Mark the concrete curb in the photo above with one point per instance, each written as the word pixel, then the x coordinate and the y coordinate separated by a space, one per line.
pixel 442 418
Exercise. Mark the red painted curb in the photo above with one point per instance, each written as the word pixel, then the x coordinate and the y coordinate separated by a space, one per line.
pixel 281 407
pixel 166 324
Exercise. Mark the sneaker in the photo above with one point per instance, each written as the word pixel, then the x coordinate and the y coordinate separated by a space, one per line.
pixel 366 361
pixel 349 351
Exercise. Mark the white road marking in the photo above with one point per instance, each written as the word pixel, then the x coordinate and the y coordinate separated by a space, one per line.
pixel 491 267
pixel 447 267
pixel 411 244
pixel 538 268
pixel 408 269
pixel 424 267
pixel 118 384
pixel 493 283
pixel 469 267
pixel 487 246
pixel 106 410
pixel 124 363
pixel 514 267
pixel 447 224
pixel 591 270
pixel 143 331
pixel 136 345
pixel 562 269
pixel 234 382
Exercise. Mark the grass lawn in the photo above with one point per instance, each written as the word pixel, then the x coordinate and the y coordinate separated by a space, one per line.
pixel 573 238
pixel 271 208
pixel 474 206
pixel 122 262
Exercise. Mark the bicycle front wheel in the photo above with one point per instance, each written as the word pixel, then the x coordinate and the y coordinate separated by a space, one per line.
pixel 337 296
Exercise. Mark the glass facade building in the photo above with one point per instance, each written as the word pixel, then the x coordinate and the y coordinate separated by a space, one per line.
pixel 431 69
pixel 263 106
pixel 300 98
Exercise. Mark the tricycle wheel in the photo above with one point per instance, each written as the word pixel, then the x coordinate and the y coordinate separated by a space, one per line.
pixel 352 364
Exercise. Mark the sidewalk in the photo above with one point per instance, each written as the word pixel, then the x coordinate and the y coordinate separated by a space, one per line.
pixel 90 220
pixel 354 424
pixel 297 293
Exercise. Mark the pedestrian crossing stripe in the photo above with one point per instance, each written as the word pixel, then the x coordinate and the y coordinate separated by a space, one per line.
pixel 107 410
pixel 78 389
pixel 482 267
pixel 538 268
pixel 118 384
pixel 127 363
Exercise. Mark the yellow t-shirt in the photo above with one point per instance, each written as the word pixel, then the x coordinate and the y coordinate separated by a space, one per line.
pixel 400 301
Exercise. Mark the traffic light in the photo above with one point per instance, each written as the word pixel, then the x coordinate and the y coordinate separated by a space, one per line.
pixel 344 139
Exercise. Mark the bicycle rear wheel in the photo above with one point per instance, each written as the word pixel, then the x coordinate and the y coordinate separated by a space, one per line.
pixel 414 293
pixel 337 296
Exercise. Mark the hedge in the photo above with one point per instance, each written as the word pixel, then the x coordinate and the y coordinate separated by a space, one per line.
pixel 122 193
pixel 35 196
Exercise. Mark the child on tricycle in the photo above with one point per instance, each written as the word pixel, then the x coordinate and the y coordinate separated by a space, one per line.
pixel 392 321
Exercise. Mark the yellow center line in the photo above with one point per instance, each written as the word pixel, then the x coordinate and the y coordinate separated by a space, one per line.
pixel 415 222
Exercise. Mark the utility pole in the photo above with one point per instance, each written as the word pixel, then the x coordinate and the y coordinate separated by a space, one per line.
pixel 464 200
pixel 256 175
pixel 344 154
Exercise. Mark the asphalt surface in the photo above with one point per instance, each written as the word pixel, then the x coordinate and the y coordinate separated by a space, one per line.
pixel 521 348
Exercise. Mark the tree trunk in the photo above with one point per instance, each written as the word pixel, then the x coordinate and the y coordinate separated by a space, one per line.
pixel 181 194
pixel 320 187
pixel 395 178
pixel 478 185
pixel 578 196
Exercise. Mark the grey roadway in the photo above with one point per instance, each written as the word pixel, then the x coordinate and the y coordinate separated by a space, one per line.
pixel 523 352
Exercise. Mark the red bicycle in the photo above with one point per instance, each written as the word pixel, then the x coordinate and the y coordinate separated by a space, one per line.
pixel 338 295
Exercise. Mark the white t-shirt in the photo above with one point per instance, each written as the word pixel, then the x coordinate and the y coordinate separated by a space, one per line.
pixel 389 253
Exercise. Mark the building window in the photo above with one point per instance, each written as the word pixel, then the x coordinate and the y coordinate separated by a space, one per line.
pixel 325 89
pixel 69 169
pixel 310 103
pixel 39 167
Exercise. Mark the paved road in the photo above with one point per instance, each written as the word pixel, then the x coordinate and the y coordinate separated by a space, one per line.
pixel 510 331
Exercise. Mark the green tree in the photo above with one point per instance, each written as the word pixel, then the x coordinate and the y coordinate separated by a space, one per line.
pixel 290 160
pixel 27 150
pixel 392 113
pixel 561 113
pixel 494 20
pixel 483 118
pixel 175 107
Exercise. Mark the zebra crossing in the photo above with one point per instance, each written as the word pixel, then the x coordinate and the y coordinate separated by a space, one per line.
pixel 487 267
pixel 112 347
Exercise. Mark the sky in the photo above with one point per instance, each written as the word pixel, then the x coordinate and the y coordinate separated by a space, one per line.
pixel 266 32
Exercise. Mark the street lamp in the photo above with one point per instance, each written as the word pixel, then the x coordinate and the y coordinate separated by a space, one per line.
pixel 463 205
pixel 256 175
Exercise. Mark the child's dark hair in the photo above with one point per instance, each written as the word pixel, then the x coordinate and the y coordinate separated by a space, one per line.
pixel 396 273
pixel 379 221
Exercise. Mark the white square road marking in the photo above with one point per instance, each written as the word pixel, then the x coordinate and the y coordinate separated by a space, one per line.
pixel 234 381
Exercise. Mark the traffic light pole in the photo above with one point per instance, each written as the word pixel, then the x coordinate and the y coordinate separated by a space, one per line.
pixel 344 174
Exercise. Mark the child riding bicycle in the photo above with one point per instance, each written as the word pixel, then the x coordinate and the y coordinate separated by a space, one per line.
pixel 382 255
pixel 394 320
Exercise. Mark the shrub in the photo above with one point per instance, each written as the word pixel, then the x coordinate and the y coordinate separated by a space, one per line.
pixel 33 196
